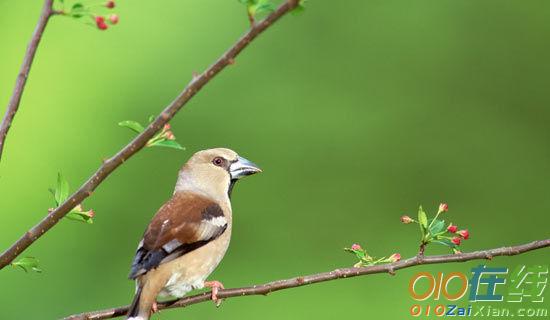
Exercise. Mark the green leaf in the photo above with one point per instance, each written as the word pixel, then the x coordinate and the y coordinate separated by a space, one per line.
pixel 77 10
pixel 423 221
pixel 132 125
pixel 79 216
pixel 367 258
pixel 263 7
pixel 151 118
pixel 61 190
pixel 256 7
pixel 52 191
pixel 27 263
pixel 360 254
pixel 437 226
pixel 167 143
pixel 301 7
pixel 445 242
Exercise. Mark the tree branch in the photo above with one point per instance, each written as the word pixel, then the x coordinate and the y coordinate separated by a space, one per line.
pixel 21 80
pixel 269 287
pixel 139 142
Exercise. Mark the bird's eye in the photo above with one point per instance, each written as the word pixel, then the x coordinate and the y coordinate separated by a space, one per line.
pixel 218 161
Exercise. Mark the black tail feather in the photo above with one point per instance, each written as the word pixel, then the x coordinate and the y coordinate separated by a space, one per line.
pixel 133 311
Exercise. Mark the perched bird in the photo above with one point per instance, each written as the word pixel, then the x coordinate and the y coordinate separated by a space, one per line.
pixel 190 233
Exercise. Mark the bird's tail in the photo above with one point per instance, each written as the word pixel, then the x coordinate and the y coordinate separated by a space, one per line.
pixel 133 311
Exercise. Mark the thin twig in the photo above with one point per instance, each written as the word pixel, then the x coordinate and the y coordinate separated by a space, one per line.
pixel 422 249
pixel 109 165
pixel 251 19
pixel 269 287
pixel 21 80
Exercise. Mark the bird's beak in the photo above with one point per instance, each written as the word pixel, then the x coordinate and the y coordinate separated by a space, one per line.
pixel 242 167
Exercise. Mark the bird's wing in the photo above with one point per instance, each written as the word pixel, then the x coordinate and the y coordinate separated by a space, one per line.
pixel 183 224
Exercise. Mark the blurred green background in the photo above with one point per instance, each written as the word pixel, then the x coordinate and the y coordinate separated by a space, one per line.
pixel 357 111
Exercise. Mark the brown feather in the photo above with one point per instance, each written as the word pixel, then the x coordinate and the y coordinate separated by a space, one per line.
pixel 180 218
pixel 185 223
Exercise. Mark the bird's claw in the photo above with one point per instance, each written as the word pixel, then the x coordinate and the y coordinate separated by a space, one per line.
pixel 216 286
pixel 154 307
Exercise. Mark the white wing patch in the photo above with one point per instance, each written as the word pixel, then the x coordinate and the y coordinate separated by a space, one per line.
pixel 211 227
pixel 171 245
pixel 218 221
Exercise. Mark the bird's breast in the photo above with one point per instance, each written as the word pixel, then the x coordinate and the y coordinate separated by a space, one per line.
pixel 189 271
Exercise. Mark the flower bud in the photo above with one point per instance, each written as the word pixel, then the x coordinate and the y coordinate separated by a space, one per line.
pixel 91 213
pixel 100 22
pixel 113 18
pixel 452 229
pixel 406 219
pixel 443 207
pixel 464 234
pixel 110 4
pixel 102 26
pixel 456 240
pixel 395 257
pixel 355 247
pixel 166 127
pixel 169 135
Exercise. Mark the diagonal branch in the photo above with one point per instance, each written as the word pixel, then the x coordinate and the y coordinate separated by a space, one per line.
pixel 139 142
pixel 15 99
pixel 267 288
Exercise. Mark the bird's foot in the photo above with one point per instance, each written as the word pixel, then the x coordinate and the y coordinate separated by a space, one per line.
pixel 155 307
pixel 216 286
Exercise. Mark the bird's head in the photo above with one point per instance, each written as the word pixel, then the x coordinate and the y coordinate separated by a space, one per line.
pixel 214 172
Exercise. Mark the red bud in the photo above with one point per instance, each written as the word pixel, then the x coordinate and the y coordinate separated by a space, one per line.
pixel 110 4
pixel 443 207
pixel 102 26
pixel 452 229
pixel 100 22
pixel 456 240
pixel 464 234
pixel 355 246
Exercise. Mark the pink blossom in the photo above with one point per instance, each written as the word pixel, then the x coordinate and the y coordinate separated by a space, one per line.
pixel 395 257
pixel 406 219
pixel 113 18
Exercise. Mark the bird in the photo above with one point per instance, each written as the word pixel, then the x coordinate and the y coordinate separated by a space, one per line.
pixel 189 235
